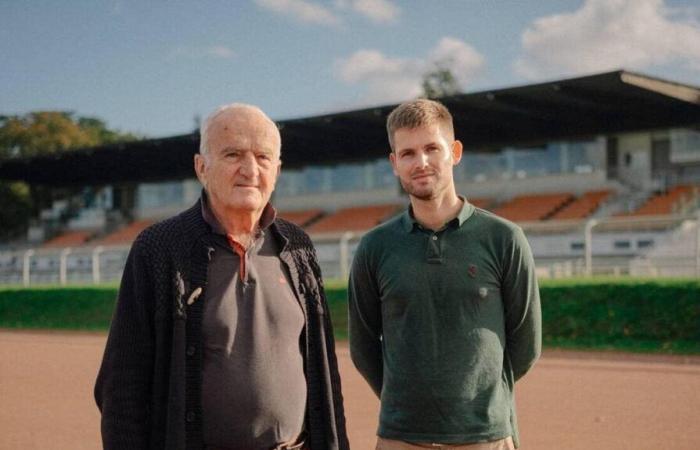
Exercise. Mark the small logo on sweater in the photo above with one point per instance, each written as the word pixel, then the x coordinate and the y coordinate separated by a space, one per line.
pixel 471 270
pixel 483 292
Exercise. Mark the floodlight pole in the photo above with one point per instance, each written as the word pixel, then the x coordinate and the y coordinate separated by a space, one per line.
pixel 587 239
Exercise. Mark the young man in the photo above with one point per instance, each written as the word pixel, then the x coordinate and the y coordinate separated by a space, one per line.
pixel 444 304
pixel 221 338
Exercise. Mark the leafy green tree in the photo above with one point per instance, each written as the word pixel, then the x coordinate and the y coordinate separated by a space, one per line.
pixel 41 133
pixel 440 82
pixel 46 132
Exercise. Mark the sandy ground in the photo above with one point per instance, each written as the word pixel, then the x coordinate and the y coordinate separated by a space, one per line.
pixel 569 401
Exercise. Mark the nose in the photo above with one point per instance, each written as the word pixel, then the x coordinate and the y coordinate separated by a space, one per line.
pixel 249 165
pixel 422 160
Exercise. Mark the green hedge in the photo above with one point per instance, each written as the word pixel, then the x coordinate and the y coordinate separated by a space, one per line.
pixel 635 315
pixel 72 308
pixel 646 316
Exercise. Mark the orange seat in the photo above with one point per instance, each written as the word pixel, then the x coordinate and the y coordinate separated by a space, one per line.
pixel 583 206
pixel 533 207
pixel 126 234
pixel 300 218
pixel 354 219
pixel 664 203
pixel 69 239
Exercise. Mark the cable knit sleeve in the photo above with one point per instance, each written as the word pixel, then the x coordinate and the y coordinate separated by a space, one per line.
pixel 122 390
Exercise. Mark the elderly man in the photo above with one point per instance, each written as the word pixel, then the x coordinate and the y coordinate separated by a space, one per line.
pixel 444 304
pixel 221 336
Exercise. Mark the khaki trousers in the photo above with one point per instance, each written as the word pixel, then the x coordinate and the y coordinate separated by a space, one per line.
pixel 390 444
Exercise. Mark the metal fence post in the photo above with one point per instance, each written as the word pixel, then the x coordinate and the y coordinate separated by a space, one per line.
pixel 588 238
pixel 96 264
pixel 345 254
pixel 62 269
pixel 25 267
pixel 697 245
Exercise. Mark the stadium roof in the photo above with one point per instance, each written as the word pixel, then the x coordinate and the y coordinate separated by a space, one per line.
pixel 605 103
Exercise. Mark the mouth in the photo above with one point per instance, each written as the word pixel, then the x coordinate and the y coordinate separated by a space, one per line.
pixel 422 176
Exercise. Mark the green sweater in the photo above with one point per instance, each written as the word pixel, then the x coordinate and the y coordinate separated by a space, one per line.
pixel 442 324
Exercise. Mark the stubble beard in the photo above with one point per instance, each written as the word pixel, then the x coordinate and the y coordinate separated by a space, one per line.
pixel 425 194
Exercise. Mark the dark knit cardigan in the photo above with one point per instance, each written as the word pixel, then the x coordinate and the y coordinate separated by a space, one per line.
pixel 149 385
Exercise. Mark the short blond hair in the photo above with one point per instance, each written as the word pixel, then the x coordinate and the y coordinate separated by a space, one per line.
pixel 419 113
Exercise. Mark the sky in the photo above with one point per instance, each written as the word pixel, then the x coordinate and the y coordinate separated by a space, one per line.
pixel 154 68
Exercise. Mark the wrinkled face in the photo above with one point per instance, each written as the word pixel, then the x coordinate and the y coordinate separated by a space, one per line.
pixel 242 162
pixel 423 159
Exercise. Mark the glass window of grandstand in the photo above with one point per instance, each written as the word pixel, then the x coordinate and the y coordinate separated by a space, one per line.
pixel 685 145
pixel 577 246
pixel 622 245
pixel 337 178
pixel 645 243
pixel 159 195
pixel 584 156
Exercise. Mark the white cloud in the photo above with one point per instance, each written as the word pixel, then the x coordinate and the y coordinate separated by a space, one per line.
pixel 302 10
pixel 607 35
pixel 214 51
pixel 390 79
pixel 379 11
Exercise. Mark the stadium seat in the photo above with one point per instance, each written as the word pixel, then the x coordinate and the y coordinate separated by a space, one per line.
pixel 533 207
pixel 127 234
pixel 669 202
pixel 583 206
pixel 301 218
pixel 69 239
pixel 360 218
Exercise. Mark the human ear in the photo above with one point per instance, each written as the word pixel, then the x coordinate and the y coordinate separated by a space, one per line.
pixel 200 166
pixel 457 149
pixel 392 159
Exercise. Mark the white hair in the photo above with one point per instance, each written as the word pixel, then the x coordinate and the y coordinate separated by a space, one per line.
pixel 204 128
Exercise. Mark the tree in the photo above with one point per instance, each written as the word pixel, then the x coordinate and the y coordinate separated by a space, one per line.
pixel 46 132
pixel 41 133
pixel 440 82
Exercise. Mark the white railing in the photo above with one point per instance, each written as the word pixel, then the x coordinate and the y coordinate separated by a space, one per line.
pixel 63 266
pixel 680 257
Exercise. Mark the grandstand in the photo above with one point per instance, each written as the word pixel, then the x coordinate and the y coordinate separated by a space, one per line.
pixel 602 173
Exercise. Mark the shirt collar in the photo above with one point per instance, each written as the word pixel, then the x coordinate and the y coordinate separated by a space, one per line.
pixel 269 214
pixel 410 223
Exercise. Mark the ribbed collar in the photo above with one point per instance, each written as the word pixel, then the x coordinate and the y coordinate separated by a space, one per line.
pixel 409 221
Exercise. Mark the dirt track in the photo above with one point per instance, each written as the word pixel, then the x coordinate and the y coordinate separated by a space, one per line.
pixel 570 401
